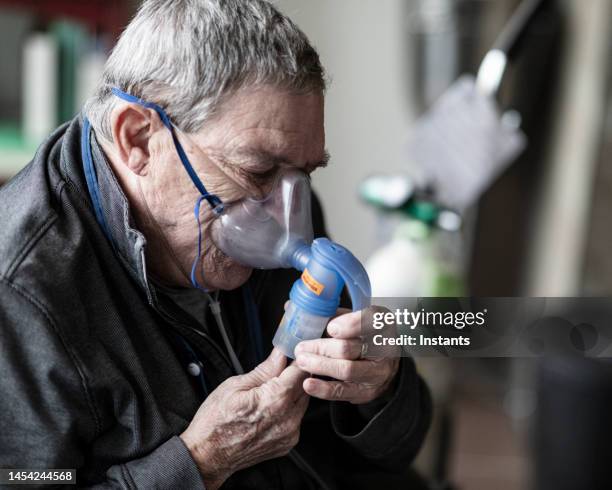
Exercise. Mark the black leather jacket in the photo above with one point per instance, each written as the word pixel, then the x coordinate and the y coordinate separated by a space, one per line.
pixel 90 378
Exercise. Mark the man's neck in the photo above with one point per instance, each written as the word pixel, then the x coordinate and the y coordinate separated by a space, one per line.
pixel 163 266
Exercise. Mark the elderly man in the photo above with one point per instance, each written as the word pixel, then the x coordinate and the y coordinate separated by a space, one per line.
pixel 133 348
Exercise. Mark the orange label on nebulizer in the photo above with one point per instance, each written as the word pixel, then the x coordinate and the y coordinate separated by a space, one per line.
pixel 311 283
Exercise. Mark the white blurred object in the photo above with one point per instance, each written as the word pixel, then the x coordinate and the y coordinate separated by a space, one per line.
pixel 40 89
pixel 387 191
pixel 421 260
pixel 400 268
pixel 89 74
pixel 462 144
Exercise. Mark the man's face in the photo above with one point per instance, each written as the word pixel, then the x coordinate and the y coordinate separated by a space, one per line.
pixel 255 135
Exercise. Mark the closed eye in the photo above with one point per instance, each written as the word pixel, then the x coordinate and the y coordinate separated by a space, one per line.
pixel 259 169
pixel 267 174
pixel 258 177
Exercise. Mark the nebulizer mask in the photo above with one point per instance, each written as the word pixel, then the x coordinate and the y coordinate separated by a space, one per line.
pixel 263 233
pixel 275 231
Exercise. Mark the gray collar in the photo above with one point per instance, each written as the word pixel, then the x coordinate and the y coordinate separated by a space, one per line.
pixel 128 242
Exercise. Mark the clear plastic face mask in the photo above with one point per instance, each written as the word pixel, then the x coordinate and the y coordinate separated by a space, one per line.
pixel 255 231
pixel 263 233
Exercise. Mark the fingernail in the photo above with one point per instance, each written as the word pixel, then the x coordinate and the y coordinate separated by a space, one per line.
pixel 307 385
pixel 333 328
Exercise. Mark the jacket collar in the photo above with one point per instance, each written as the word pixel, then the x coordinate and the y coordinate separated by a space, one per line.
pixel 129 243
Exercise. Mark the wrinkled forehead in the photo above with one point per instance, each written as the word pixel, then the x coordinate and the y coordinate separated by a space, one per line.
pixel 271 121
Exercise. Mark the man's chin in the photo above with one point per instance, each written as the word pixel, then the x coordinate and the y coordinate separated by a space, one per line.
pixel 234 277
pixel 227 274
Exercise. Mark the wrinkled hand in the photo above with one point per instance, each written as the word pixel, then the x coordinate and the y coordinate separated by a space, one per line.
pixel 248 419
pixel 358 380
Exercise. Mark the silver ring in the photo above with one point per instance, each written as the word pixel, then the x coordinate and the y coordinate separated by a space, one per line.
pixel 364 350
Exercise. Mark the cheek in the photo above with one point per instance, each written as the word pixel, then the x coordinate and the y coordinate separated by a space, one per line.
pixel 166 169
pixel 219 271
pixel 170 189
pixel 171 177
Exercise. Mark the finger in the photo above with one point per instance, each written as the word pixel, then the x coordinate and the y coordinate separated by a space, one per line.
pixel 341 369
pixel 272 367
pixel 336 390
pixel 341 311
pixel 334 348
pixel 292 378
pixel 376 320
pixel 301 403
pixel 285 388
pixel 346 326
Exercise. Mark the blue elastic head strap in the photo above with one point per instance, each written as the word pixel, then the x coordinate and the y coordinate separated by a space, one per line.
pixel 91 179
pixel 194 266
pixel 215 203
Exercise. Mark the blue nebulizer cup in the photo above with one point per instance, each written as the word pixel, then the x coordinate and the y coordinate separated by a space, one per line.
pixel 314 298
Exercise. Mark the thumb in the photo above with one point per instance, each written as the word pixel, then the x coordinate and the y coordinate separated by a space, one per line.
pixel 268 369
pixel 293 377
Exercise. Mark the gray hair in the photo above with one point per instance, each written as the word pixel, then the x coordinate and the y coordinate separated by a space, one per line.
pixel 189 55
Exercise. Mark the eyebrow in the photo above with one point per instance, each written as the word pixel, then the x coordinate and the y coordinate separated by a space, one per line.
pixel 263 156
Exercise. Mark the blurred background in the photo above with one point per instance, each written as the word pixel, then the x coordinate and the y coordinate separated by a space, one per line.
pixel 538 225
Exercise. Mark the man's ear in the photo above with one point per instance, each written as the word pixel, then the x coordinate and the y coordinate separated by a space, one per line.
pixel 132 126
